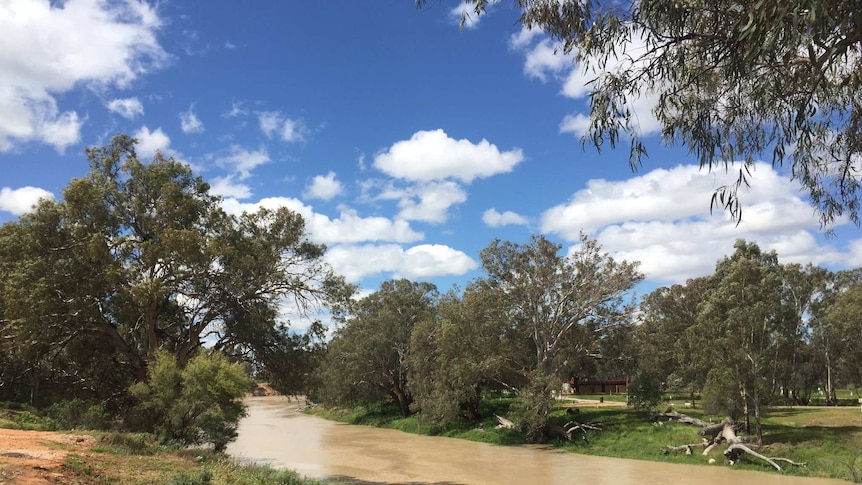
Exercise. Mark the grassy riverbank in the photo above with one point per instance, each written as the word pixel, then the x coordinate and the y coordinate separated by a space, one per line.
pixel 827 439
pixel 37 452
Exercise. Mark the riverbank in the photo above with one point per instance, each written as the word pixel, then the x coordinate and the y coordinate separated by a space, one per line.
pixel 33 456
pixel 827 440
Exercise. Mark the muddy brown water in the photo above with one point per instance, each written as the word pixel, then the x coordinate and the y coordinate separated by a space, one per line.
pixel 276 434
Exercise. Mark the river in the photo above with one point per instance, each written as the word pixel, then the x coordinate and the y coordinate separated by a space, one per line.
pixel 276 434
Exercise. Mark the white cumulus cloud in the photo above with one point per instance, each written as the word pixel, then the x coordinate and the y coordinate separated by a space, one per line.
pixel 433 155
pixel 149 142
pixel 227 187
pixel 21 200
pixel 464 15
pixel 418 262
pixel 348 227
pixel 242 161
pixel 492 218
pixel 129 108
pixel 430 202
pixel 662 219
pixel 189 121
pixel 275 124
pixel 324 187
pixel 50 48
pixel 544 58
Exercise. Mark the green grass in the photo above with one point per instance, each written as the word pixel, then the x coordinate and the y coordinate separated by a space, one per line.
pixel 178 467
pixel 20 416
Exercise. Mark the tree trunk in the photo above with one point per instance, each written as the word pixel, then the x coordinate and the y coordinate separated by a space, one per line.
pixel 403 402
pixel 757 427
pixel 830 391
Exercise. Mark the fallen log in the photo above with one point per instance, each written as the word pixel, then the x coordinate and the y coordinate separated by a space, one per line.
pixel 725 433
pixel 735 451
pixel 567 430
pixel 684 448
pixel 671 415
pixel 505 423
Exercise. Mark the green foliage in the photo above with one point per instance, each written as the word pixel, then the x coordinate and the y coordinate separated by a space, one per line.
pixel 532 412
pixel 80 414
pixel 721 395
pixel 457 356
pixel 197 404
pixel 369 358
pixel 139 257
pixel 121 443
pixel 558 307
pixel 645 392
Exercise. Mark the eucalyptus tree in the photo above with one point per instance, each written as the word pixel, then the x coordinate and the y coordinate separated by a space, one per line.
pixel 51 342
pixel 845 317
pixel 740 316
pixel 464 352
pixel 369 359
pixel 802 289
pixel 139 257
pixel 734 81
pixel 665 345
pixel 832 329
pixel 549 297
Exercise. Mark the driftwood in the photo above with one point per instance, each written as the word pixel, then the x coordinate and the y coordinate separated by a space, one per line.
pixel 505 423
pixel 724 431
pixel 735 451
pixel 569 429
pixel 671 415
pixel 715 434
pixel 687 449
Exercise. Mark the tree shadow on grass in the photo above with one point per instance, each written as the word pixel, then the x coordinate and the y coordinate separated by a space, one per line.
pixel 792 435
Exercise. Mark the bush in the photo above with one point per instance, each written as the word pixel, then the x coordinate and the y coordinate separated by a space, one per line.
pixel 645 392
pixel 195 405
pixel 533 411
pixel 202 477
pixel 80 414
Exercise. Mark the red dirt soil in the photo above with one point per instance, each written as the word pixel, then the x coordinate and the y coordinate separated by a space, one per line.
pixel 36 457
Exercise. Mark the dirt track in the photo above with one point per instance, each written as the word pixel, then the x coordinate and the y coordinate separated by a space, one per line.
pixel 36 457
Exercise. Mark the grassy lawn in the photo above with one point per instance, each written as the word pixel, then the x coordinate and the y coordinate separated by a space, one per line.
pixel 828 440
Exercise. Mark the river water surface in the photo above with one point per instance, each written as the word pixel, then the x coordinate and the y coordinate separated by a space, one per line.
pixel 276 434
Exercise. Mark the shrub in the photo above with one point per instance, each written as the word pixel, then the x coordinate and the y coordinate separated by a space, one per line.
pixel 80 414
pixel 645 392
pixel 195 405
pixel 202 477
pixel 533 411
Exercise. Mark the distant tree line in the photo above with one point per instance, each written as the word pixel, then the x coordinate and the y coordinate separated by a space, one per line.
pixel 754 333
pixel 518 330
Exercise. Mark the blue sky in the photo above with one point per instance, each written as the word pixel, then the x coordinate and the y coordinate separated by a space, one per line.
pixel 407 144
